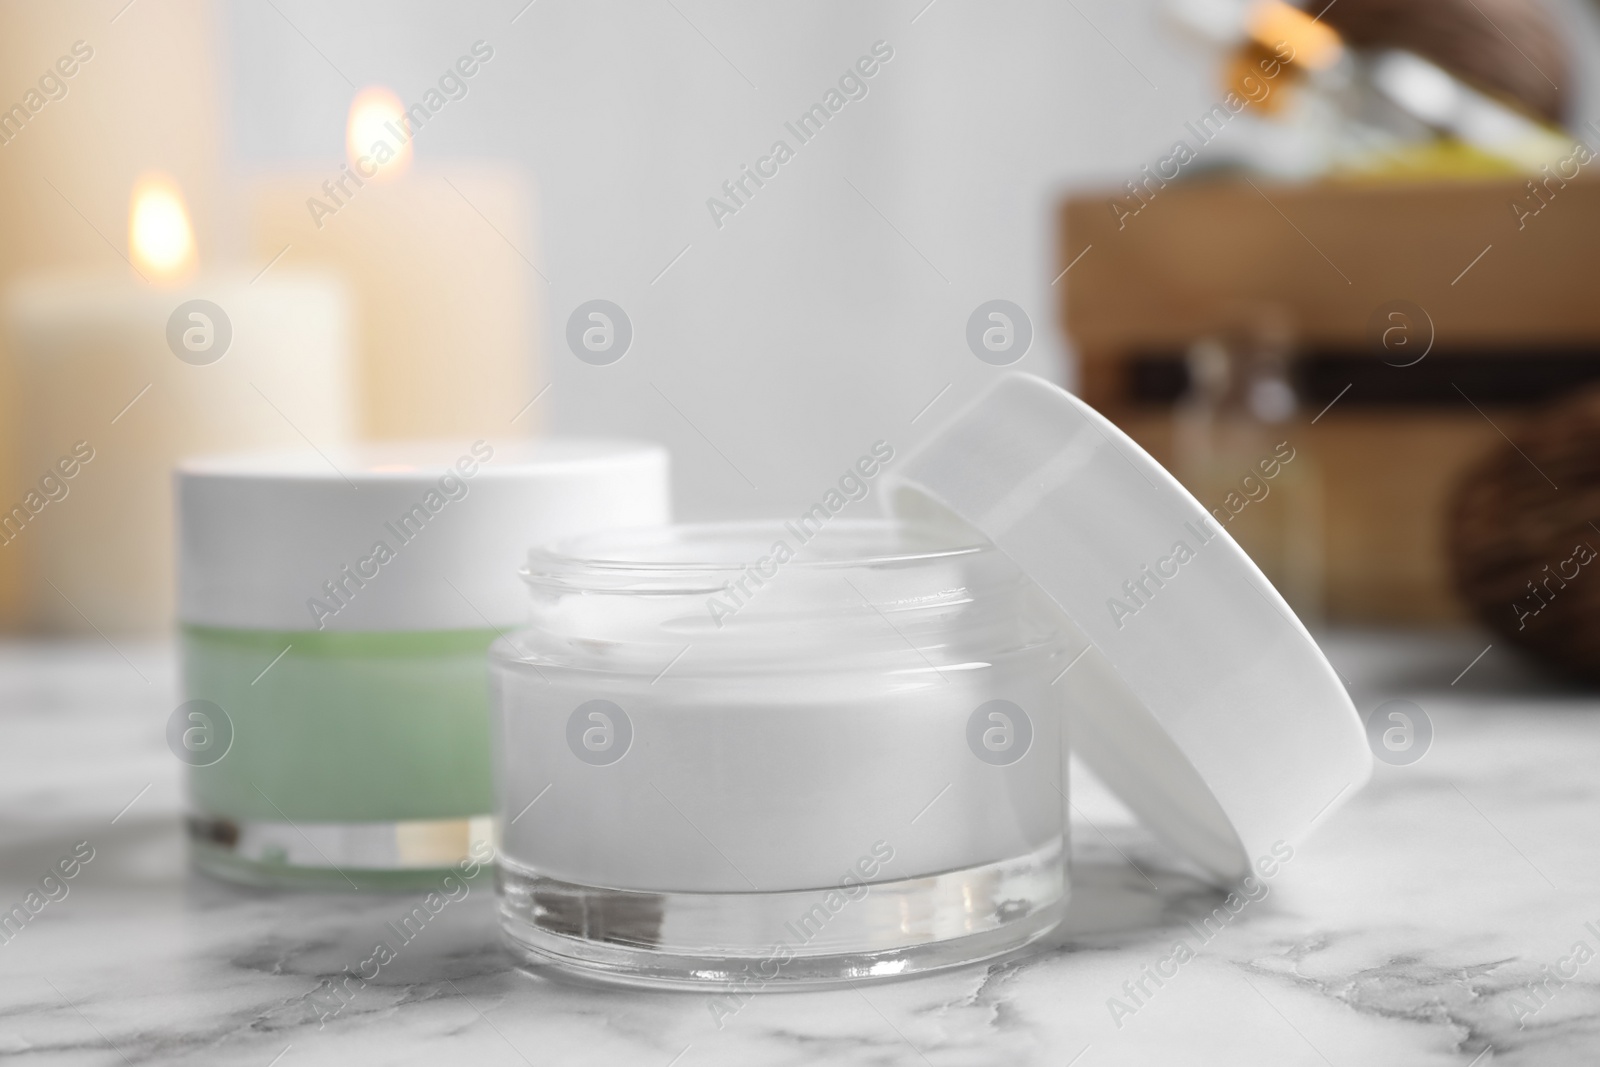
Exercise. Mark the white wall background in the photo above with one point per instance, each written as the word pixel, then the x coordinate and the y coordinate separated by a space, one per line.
pixel 810 324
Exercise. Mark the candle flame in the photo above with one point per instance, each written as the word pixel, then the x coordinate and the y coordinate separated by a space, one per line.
pixel 159 235
pixel 376 136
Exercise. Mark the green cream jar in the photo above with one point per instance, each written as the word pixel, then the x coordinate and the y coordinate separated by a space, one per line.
pixel 335 615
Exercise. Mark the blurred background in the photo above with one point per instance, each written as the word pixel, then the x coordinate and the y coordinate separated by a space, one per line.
pixel 1333 266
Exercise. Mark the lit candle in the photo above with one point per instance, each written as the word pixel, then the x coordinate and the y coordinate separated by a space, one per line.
pixel 101 101
pixel 122 376
pixel 438 261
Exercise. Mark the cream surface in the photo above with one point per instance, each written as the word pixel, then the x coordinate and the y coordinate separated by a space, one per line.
pixel 767 750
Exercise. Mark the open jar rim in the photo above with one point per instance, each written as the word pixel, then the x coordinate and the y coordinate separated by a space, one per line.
pixel 697 557
pixel 901 600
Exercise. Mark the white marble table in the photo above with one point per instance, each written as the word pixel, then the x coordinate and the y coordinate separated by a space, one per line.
pixel 1406 931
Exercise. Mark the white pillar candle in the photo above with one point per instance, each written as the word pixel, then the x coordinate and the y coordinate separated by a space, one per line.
pixel 440 265
pixel 118 380
pixel 100 100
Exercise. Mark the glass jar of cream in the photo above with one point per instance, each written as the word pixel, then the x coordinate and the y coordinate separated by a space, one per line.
pixel 760 754
pixel 335 610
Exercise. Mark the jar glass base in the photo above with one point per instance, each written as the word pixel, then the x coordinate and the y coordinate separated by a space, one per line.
pixel 383 857
pixel 756 941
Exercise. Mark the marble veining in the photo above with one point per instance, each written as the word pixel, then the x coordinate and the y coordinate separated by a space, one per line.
pixel 1436 919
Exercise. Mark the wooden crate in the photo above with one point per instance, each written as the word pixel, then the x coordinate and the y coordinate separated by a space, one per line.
pixel 1330 255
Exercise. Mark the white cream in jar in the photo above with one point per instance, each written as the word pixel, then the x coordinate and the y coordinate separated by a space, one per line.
pixel 857 770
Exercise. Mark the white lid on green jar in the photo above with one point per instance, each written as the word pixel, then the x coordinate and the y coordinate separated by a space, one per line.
pixel 1200 698
pixel 396 536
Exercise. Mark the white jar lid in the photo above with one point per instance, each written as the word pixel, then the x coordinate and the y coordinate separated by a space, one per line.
pixel 402 536
pixel 1201 701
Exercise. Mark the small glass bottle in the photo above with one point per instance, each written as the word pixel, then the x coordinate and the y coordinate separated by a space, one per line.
pixel 1239 449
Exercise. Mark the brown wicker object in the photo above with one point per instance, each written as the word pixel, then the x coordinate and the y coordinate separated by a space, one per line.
pixel 1521 526
pixel 1511 49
